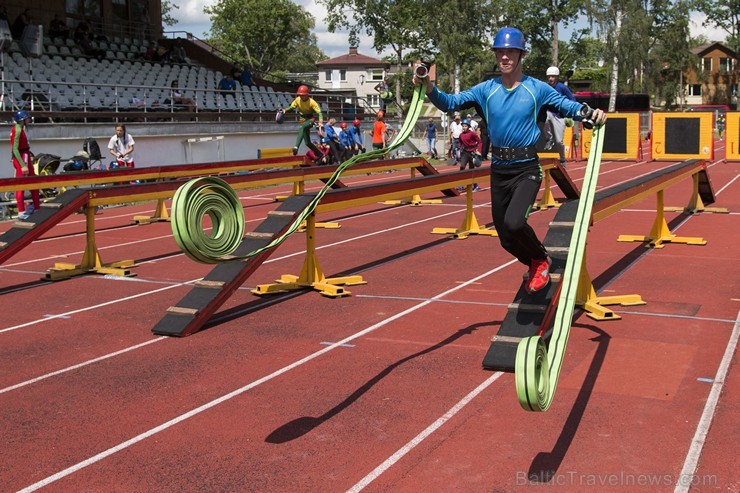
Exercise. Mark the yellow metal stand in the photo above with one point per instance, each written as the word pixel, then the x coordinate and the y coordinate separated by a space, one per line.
pixel 415 199
pixel 660 234
pixel 696 204
pixel 160 214
pixel 470 223
pixel 593 305
pixel 548 200
pixel 91 261
pixel 311 274
pixel 299 187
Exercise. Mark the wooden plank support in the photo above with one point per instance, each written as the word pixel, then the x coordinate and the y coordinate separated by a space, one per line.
pixel 23 233
pixel 230 275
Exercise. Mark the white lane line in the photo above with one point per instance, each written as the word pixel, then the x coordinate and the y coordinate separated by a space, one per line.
pixel 686 478
pixel 400 453
pixel 164 426
pixel 93 307
pixel 80 365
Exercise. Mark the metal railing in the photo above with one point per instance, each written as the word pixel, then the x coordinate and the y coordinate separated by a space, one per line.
pixel 62 97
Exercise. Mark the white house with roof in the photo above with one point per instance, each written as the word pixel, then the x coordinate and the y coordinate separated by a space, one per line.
pixel 353 72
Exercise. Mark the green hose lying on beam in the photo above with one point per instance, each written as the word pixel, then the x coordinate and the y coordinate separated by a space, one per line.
pixel 215 198
pixel 537 368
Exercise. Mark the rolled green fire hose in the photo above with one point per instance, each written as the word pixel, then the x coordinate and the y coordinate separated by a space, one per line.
pixel 214 197
pixel 537 368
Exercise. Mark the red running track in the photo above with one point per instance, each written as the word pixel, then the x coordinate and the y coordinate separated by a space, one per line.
pixel 382 390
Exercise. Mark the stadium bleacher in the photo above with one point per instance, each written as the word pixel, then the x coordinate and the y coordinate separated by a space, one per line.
pixel 64 79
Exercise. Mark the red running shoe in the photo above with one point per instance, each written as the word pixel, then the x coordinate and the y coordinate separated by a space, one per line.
pixel 539 274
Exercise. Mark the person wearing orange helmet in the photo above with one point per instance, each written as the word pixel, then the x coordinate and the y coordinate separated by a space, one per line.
pixel 308 110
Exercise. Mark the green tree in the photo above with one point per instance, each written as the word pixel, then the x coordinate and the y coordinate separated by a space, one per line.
pixel 391 24
pixel 168 9
pixel 725 14
pixel 459 34
pixel 264 34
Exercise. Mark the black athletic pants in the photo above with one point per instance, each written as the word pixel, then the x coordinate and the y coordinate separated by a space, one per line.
pixel 513 192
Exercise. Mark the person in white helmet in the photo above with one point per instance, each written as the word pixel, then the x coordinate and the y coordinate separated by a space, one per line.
pixel 555 123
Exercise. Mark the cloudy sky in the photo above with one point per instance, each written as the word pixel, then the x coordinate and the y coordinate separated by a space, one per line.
pixel 192 19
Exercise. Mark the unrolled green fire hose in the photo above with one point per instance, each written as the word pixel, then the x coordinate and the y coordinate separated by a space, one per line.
pixel 537 368
pixel 214 197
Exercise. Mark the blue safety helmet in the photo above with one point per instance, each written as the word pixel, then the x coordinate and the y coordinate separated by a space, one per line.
pixel 465 122
pixel 324 140
pixel 509 37
pixel 21 115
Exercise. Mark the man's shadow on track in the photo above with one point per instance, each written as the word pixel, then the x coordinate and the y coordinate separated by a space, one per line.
pixel 546 464
pixel 303 425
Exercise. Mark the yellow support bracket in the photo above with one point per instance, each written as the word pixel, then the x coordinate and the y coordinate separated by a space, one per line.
pixel 696 204
pixel 299 186
pixel 160 214
pixel 470 223
pixel 595 306
pixel 415 200
pixel 311 275
pixel 660 233
pixel 548 200
pixel 91 261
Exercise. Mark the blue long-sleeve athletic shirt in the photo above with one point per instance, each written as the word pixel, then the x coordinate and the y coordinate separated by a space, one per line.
pixel 356 134
pixel 511 113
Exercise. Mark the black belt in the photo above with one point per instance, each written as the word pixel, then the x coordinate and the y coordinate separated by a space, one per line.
pixel 515 153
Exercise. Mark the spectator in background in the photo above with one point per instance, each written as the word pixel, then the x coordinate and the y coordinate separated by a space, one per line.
pixel 337 150
pixel 243 76
pixel 378 133
pixel 57 28
pixel 178 99
pixel 83 28
pixel 455 131
pixel 346 140
pixel 554 128
pixel 469 149
pixel 246 78
pixel 227 85
pixel 23 20
pixel 88 49
pixel 321 156
pixel 177 53
pixel 121 146
pixel 430 132
pixel 355 132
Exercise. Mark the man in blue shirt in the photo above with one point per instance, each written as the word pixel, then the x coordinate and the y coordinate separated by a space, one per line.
pixel 227 85
pixel 510 105
pixel 355 132
pixel 554 127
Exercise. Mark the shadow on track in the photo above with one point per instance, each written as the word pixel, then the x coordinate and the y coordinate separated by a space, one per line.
pixel 303 425
pixel 546 464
